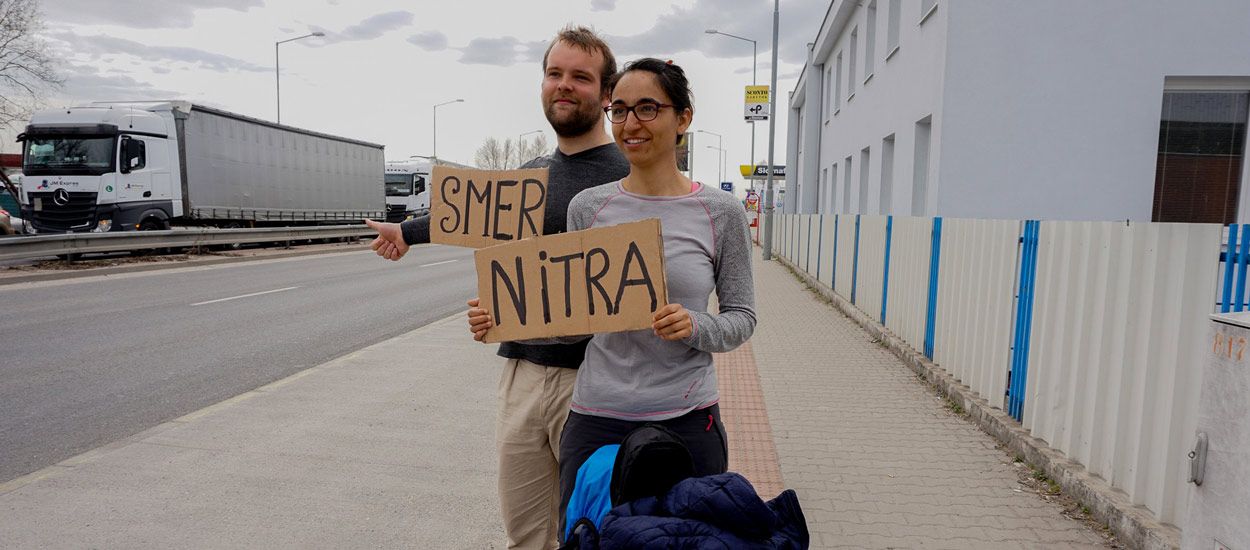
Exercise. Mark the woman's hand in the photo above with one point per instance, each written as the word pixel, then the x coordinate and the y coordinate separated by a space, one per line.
pixel 480 320
pixel 672 322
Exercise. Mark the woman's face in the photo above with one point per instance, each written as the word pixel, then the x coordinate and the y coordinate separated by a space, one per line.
pixel 645 142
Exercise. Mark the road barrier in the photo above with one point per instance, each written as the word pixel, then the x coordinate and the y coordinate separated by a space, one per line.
pixel 37 246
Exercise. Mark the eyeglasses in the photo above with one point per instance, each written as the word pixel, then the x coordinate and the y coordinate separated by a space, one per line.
pixel 644 112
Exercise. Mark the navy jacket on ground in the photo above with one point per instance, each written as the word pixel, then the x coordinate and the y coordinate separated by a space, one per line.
pixel 718 511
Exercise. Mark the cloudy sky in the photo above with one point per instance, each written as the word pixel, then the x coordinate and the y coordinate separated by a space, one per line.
pixel 383 64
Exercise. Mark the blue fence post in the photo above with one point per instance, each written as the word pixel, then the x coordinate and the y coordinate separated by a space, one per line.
pixel 820 242
pixel 1239 292
pixel 1024 321
pixel 807 258
pixel 930 316
pixel 885 281
pixel 855 261
pixel 1230 266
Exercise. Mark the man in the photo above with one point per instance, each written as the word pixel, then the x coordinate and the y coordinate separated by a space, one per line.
pixel 537 381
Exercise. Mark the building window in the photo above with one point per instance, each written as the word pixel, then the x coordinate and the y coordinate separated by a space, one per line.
pixel 828 94
pixel 837 84
pixel 870 40
pixel 1202 150
pixel 846 187
pixel 920 168
pixel 833 189
pixel 887 174
pixel 850 68
pixel 864 164
pixel 926 9
pixel 822 191
pixel 891 31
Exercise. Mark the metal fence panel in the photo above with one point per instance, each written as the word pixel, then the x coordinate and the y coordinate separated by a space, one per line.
pixel 909 278
pixel 871 276
pixel 972 339
pixel 846 253
pixel 1116 347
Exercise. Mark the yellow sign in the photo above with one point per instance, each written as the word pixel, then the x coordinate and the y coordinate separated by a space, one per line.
pixel 756 103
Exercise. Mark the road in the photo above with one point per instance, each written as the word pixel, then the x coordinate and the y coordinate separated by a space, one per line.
pixel 87 361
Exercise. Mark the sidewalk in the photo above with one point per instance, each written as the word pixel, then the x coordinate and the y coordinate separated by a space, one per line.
pixel 393 446
pixel 876 458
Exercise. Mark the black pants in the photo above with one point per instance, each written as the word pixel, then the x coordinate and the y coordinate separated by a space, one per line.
pixel 701 430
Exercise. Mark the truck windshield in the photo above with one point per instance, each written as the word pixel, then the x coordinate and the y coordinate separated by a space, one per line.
pixel 50 156
pixel 398 185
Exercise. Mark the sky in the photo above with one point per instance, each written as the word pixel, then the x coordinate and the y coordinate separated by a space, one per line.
pixel 382 64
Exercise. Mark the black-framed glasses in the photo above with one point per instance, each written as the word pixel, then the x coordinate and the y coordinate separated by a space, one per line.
pixel 644 112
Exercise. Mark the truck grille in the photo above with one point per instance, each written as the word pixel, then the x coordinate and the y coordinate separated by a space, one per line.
pixel 394 213
pixel 78 213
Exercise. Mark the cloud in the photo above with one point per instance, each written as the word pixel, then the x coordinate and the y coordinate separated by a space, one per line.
pixel 370 28
pixel 100 46
pixel 141 14
pixel 681 30
pixel 504 51
pixel 429 40
pixel 86 83
pixel 602 5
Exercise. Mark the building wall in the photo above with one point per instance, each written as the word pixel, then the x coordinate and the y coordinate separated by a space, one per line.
pixel 1052 109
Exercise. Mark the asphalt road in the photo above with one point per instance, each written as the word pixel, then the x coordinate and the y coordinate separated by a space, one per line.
pixel 85 362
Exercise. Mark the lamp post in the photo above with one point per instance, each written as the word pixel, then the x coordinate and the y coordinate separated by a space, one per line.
pixel 434 157
pixel 772 137
pixel 277 71
pixel 520 160
pixel 719 147
pixel 754 66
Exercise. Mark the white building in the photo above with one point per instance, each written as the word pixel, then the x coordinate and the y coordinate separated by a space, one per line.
pixel 1058 109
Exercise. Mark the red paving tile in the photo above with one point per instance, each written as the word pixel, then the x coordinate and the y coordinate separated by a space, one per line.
pixel 751 449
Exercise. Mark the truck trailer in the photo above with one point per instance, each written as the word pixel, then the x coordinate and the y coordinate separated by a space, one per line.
pixel 152 165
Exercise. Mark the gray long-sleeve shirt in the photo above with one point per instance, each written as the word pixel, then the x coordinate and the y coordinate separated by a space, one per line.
pixel 636 375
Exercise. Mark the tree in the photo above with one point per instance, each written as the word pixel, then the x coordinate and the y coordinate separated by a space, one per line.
pixel 27 71
pixel 494 154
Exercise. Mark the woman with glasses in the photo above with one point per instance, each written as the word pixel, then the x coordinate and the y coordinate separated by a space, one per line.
pixel 663 375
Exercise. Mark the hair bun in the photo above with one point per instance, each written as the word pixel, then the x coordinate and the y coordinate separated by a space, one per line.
pixel 669 62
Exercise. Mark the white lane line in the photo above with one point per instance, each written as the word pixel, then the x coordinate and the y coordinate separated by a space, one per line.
pixel 244 296
pixel 438 263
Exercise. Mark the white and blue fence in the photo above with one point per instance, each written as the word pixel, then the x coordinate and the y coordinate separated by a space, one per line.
pixel 1091 334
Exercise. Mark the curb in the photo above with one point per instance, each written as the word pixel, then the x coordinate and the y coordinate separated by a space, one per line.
pixel 1133 525
pixel 114 270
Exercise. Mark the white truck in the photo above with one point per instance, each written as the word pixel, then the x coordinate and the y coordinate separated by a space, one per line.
pixel 407 190
pixel 150 165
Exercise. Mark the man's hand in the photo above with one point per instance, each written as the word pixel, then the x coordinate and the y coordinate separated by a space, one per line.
pixel 390 241
pixel 672 322
pixel 480 320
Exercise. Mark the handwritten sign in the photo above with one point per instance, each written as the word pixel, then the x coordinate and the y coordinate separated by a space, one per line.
pixel 480 208
pixel 607 279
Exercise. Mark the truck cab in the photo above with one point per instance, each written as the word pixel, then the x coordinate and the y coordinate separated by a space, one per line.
pixel 407 193
pixel 98 169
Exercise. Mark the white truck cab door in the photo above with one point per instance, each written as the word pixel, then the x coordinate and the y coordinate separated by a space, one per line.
pixel 134 179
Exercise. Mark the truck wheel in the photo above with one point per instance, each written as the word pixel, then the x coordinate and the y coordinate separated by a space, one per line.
pixel 153 224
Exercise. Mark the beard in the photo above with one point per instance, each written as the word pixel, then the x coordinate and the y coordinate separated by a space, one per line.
pixel 576 123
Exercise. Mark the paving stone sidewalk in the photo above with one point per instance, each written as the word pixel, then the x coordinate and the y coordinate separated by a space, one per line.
pixel 877 459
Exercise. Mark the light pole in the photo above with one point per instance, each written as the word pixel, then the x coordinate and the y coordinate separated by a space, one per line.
pixel 520 160
pixel 754 66
pixel 434 157
pixel 277 71
pixel 720 146
pixel 772 137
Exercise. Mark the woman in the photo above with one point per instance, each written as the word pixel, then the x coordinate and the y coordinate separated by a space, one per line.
pixel 663 375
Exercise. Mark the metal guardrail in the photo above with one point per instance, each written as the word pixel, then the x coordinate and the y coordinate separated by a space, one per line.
pixel 37 246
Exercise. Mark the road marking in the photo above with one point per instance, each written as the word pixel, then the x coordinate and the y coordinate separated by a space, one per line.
pixel 438 263
pixel 244 296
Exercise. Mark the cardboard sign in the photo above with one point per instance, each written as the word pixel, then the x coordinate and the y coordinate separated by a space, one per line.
pixel 480 208
pixel 607 279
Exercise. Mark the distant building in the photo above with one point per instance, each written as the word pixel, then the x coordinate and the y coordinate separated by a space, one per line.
pixel 1072 110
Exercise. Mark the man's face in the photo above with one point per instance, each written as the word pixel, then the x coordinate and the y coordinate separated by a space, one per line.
pixel 572 96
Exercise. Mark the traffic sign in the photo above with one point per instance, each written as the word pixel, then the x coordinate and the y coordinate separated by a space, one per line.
pixel 727 186
pixel 756 103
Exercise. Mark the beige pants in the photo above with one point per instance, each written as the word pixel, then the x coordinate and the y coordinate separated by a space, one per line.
pixel 533 405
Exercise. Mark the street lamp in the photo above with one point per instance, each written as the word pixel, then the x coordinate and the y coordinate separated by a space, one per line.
pixel 754 66
pixel 520 160
pixel 720 147
pixel 434 157
pixel 277 71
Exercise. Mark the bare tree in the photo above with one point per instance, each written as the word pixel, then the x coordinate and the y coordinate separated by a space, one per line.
pixel 531 149
pixel 495 155
pixel 27 71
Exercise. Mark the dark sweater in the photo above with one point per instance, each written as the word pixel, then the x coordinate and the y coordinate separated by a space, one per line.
pixel 569 175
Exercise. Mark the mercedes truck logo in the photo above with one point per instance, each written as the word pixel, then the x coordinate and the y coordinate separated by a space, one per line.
pixel 60 197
